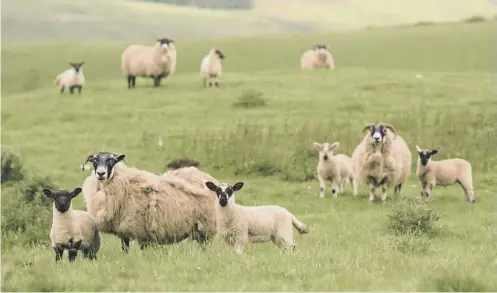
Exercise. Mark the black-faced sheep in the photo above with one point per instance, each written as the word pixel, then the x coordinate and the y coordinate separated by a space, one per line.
pixel 242 224
pixel 157 61
pixel 445 172
pixel 71 78
pixel 337 168
pixel 152 209
pixel 319 57
pixel 211 67
pixel 72 229
pixel 382 159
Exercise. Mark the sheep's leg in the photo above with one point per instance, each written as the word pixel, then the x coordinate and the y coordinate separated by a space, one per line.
pixel 205 82
pixel 428 189
pixel 216 81
pixel 157 81
pixel 353 181
pixel 125 244
pixel 133 79
pixel 130 81
pixel 79 89
pixel 71 90
pixel 72 254
pixel 372 191
pixel 59 252
pixel 239 245
pixel 335 186
pixel 62 88
pixel 468 191
pixel 322 186
pixel 384 188
pixel 283 237
pixel 397 189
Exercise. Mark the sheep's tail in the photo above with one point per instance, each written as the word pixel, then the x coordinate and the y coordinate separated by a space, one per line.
pixel 301 227
pixel 57 80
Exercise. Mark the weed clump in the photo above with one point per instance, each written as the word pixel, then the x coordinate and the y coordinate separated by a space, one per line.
pixel 250 99
pixel 412 216
pixel 12 169
pixel 455 283
pixel 474 19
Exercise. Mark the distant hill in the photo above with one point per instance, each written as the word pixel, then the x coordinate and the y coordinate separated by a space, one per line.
pixel 98 20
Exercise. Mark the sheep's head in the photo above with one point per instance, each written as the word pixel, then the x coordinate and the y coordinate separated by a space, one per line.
pixel 219 53
pixel 77 66
pixel 224 191
pixel 325 149
pixel 321 48
pixel 378 132
pixel 62 198
pixel 164 43
pixel 103 164
pixel 425 155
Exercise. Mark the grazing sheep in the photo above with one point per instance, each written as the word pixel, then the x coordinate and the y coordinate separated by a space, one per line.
pixel 382 160
pixel 241 224
pixel 445 172
pixel 211 67
pixel 157 61
pixel 152 209
pixel 71 78
pixel 71 229
pixel 319 57
pixel 337 168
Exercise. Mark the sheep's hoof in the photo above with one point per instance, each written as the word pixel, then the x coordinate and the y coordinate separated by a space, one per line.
pixel 321 196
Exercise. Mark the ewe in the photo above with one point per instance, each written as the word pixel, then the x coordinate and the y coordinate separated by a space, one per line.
pixel 211 67
pixel 71 78
pixel 319 57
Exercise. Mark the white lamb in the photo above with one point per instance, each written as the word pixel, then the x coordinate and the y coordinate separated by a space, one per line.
pixel 337 168
pixel 157 61
pixel 72 229
pixel 382 159
pixel 211 67
pixel 445 172
pixel 319 57
pixel 241 224
pixel 71 78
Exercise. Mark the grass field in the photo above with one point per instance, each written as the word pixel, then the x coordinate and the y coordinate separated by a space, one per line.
pixel 449 106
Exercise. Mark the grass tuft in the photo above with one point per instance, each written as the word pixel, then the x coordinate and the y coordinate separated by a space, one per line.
pixel 250 99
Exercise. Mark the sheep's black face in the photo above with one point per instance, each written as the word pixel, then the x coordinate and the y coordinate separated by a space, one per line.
pixel 164 43
pixel 425 156
pixel 77 66
pixel 224 192
pixel 220 54
pixel 103 164
pixel 62 198
pixel 378 133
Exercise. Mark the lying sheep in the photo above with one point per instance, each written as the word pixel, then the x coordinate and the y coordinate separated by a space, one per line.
pixel 382 160
pixel 157 61
pixel 71 78
pixel 445 172
pixel 241 224
pixel 72 229
pixel 319 57
pixel 152 209
pixel 211 67
pixel 337 168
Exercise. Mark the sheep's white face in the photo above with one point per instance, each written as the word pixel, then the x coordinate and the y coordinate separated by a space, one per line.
pixel 224 192
pixel 425 155
pixel 325 149
pixel 103 164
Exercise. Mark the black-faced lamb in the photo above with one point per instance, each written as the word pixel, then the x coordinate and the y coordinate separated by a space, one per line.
pixel 319 57
pixel 72 78
pixel 243 224
pixel 382 159
pixel 139 205
pixel 157 61
pixel 336 168
pixel 71 229
pixel 211 67
pixel 445 172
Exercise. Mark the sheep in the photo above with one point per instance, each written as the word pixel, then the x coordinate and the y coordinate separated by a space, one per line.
pixel 382 160
pixel 211 67
pixel 445 172
pixel 157 61
pixel 319 57
pixel 71 78
pixel 152 209
pixel 181 163
pixel 338 168
pixel 242 224
pixel 72 229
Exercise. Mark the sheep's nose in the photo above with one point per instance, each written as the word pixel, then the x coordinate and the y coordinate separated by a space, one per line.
pixel 101 174
pixel 325 157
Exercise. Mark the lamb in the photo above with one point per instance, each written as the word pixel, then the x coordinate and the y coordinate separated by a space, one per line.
pixel 157 61
pixel 382 160
pixel 72 229
pixel 445 172
pixel 338 168
pixel 71 78
pixel 211 67
pixel 242 224
pixel 319 57
pixel 152 209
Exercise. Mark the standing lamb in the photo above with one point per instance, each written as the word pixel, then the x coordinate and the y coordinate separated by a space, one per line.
pixel 319 57
pixel 211 67
pixel 382 159
pixel 337 168
pixel 157 61
pixel 153 209
pixel 445 172
pixel 241 224
pixel 71 78
pixel 72 229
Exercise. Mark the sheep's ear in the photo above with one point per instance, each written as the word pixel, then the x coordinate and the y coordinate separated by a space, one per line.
pixel 237 186
pixel 211 185
pixel 76 192
pixel 120 158
pixel 317 146
pixel 81 64
pixel 434 152
pixel 48 193
pixel 334 145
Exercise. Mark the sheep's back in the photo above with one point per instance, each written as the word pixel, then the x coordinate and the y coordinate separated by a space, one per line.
pixel 142 60
pixel 403 157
